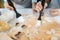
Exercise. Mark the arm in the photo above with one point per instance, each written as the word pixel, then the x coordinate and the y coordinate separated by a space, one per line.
pixel 55 12
pixel 34 6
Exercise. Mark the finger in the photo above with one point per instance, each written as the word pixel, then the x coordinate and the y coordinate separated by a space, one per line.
pixel 45 5
pixel 10 8
pixel 39 4
pixel 38 8
pixel 6 5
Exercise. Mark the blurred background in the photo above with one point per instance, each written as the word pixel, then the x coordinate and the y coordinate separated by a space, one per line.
pixel 1 3
pixel 17 4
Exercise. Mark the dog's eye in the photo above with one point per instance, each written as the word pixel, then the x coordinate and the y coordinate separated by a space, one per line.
pixel 17 24
pixel 18 33
pixel 13 38
pixel 23 26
